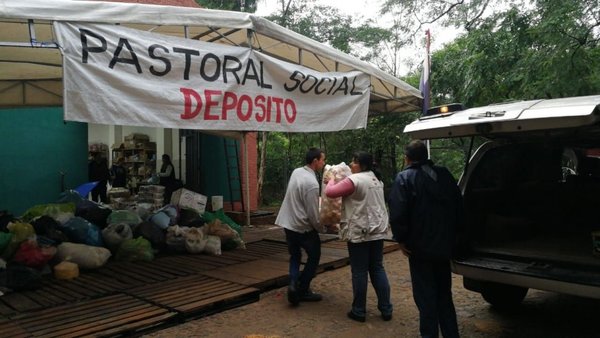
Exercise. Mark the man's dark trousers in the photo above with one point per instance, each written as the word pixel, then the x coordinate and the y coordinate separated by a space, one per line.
pixel 311 243
pixel 432 291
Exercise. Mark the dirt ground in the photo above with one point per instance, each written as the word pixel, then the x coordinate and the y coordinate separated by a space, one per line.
pixel 542 314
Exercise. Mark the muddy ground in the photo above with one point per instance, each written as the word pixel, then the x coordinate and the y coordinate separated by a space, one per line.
pixel 542 314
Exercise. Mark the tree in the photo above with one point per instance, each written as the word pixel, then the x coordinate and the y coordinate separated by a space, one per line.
pixel 323 23
pixel 229 5
pixel 466 14
pixel 327 25
pixel 546 52
pixel 512 50
pixel 382 47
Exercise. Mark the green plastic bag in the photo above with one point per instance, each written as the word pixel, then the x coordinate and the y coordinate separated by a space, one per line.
pixel 138 249
pixel 20 232
pixel 124 216
pixel 220 215
pixel 60 212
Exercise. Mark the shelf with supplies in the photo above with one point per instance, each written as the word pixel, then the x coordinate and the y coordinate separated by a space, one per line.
pixel 139 157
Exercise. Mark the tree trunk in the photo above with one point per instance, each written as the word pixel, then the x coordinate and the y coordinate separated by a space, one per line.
pixel 261 166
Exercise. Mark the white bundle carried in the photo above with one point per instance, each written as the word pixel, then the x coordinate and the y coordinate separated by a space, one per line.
pixel 331 208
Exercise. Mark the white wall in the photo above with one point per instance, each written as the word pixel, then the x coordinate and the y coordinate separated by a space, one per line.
pixel 167 140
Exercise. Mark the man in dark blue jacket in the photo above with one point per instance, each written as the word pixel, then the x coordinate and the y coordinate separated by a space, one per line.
pixel 425 211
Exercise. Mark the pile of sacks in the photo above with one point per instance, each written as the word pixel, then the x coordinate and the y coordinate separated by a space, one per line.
pixel 75 234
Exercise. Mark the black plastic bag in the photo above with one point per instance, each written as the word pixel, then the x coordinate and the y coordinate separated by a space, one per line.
pixel 152 233
pixel 93 213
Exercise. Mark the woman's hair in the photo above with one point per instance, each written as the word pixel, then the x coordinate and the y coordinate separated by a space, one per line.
pixel 365 162
pixel 166 161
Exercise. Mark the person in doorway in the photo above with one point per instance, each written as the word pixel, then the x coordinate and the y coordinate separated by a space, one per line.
pixel 118 174
pixel 365 226
pixel 98 172
pixel 425 211
pixel 299 216
pixel 167 177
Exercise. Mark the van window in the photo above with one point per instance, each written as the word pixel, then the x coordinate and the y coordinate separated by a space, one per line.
pixel 517 164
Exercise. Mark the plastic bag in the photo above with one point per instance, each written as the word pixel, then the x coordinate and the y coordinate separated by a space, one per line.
pixel 212 245
pixel 152 233
pixel 5 238
pixel 160 219
pixel 47 227
pixel 175 238
pixel 194 240
pixel 231 243
pixel 217 228
pixel 190 217
pixel 93 212
pixel 330 213
pixel 124 216
pixel 61 212
pixel 220 215
pixel 165 216
pixel 115 234
pixel 20 233
pixel 79 230
pixel 33 255
pixel 138 249
pixel 86 256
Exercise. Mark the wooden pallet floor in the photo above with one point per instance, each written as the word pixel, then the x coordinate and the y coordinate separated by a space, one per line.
pixel 107 316
pixel 196 295
pixel 124 298
pixel 263 274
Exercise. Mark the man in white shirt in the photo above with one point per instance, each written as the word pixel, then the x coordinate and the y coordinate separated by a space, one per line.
pixel 299 216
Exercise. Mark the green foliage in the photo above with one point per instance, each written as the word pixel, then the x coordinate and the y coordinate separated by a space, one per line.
pixel 229 5
pixel 383 138
pixel 326 24
pixel 519 49
pixel 453 153
pixel 547 52
pixel 522 50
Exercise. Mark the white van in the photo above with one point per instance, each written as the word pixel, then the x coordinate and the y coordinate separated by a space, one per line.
pixel 531 194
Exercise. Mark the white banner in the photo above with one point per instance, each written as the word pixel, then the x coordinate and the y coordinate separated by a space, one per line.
pixel 121 76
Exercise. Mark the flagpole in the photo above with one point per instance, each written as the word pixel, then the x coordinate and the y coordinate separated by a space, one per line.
pixel 426 88
pixel 428 61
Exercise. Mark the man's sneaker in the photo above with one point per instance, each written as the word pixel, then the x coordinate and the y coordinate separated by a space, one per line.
pixel 386 318
pixel 309 296
pixel 293 296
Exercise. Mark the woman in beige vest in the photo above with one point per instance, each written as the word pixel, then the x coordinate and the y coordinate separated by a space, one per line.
pixel 364 227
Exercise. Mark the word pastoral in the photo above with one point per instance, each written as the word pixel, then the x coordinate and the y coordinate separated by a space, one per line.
pixel 119 75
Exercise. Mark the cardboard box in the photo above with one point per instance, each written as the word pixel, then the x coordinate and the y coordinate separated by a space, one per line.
pixel 189 199
pixel 137 137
